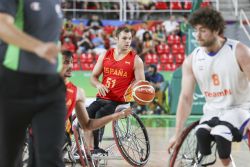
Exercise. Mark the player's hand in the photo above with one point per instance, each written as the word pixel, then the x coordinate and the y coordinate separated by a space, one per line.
pixel 48 51
pixel 102 89
pixel 172 143
pixel 247 129
pixel 124 113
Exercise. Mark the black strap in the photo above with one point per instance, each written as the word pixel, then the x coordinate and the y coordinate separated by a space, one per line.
pixel 237 135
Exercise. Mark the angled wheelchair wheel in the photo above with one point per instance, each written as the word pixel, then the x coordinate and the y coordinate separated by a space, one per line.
pixel 132 140
pixel 83 153
pixel 186 152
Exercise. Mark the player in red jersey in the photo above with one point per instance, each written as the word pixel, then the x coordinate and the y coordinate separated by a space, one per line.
pixel 119 67
pixel 75 98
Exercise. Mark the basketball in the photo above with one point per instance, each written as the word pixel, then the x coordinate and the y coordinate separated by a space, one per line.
pixel 143 92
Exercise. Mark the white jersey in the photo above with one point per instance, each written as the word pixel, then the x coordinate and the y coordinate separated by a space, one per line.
pixel 220 79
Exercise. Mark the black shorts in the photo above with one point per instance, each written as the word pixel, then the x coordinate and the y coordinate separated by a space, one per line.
pixel 102 107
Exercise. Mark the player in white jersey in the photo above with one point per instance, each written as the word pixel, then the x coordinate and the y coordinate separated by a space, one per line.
pixel 221 68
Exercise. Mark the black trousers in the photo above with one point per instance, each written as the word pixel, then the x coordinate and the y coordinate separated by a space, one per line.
pixel 99 109
pixel 33 99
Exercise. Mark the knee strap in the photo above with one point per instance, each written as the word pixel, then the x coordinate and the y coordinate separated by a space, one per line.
pixel 237 136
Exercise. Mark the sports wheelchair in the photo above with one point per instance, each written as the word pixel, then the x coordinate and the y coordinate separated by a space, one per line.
pixel 186 153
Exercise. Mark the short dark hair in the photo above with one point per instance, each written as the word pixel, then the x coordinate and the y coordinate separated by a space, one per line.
pixel 154 67
pixel 68 54
pixel 121 29
pixel 208 17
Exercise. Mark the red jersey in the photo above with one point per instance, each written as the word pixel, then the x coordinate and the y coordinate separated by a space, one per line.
pixel 118 75
pixel 70 98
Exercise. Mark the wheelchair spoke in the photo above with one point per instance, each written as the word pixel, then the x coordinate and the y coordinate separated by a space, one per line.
pixel 132 138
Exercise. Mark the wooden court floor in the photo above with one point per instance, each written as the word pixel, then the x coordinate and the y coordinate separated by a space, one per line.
pixel 159 138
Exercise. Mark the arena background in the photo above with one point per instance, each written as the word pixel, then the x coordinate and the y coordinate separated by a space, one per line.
pixel 160 127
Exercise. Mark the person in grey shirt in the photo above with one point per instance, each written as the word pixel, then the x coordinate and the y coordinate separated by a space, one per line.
pixel 31 88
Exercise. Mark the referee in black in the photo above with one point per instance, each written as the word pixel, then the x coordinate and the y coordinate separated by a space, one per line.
pixel 31 89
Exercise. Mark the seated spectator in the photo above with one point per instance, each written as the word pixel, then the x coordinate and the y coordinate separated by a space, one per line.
pixel 112 40
pixel 95 24
pixel 68 28
pixel 184 26
pixel 99 44
pixel 146 5
pixel 135 43
pixel 159 35
pixel 133 7
pixel 171 25
pixel 141 30
pixel 157 80
pixel 85 43
pixel 68 45
pixel 78 31
pixel 91 5
pixel 148 45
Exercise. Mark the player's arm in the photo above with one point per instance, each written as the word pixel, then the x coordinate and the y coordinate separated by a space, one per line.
pixel 139 69
pixel 10 34
pixel 92 124
pixel 185 100
pixel 94 79
pixel 243 58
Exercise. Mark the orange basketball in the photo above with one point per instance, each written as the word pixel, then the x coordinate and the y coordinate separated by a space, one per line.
pixel 143 92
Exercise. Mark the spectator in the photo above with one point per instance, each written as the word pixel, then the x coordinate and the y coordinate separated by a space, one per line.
pixel 135 44
pixel 99 44
pixel 159 35
pixel 78 31
pixel 95 24
pixel 148 45
pixel 91 5
pixel 68 45
pixel 68 28
pixel 184 26
pixel 112 40
pixel 171 25
pixel 133 9
pixel 140 32
pixel 146 5
pixel 85 44
pixel 157 80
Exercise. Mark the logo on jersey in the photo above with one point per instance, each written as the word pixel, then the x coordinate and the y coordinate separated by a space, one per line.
pixel 116 72
pixel 58 10
pixel 225 92
pixel 35 6
pixel 69 103
pixel 127 62
pixel 197 96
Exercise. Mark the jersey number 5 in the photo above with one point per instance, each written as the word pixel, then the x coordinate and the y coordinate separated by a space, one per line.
pixel 215 79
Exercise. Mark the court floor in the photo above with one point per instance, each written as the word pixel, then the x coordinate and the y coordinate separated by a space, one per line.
pixel 159 138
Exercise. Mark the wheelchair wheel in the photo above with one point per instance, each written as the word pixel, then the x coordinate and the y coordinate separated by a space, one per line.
pixel 83 153
pixel 132 140
pixel 186 152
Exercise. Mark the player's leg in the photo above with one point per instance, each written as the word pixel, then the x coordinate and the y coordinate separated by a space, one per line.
pixel 108 109
pixel 15 115
pixel 48 135
pixel 204 139
pixel 13 125
pixel 92 109
pixel 48 123
pixel 225 134
pixel 224 149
